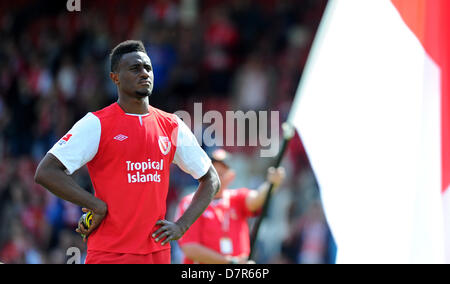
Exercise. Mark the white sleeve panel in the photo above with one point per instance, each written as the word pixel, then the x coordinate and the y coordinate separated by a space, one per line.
pixel 79 145
pixel 189 156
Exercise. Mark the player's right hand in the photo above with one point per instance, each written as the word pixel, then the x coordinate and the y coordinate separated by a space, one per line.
pixel 97 218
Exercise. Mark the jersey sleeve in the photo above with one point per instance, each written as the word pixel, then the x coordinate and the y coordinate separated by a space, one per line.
pixel 79 145
pixel 189 156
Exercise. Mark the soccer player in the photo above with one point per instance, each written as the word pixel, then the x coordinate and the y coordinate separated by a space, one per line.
pixel 221 234
pixel 128 147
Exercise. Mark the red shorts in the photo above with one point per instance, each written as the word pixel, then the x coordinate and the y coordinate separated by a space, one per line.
pixel 103 257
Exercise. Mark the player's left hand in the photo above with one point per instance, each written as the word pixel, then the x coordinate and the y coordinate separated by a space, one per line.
pixel 97 217
pixel 169 231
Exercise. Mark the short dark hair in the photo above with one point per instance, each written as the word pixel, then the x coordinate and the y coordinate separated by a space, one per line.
pixel 124 48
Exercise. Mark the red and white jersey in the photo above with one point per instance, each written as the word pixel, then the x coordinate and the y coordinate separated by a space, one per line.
pixel 223 225
pixel 128 158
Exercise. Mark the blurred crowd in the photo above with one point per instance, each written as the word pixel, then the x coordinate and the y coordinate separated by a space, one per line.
pixel 228 55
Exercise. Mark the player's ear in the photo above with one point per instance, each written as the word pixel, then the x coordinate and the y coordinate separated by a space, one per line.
pixel 114 77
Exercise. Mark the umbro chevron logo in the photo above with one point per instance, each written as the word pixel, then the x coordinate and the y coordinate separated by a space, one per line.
pixel 120 137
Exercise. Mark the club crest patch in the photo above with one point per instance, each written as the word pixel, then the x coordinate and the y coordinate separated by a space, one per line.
pixel 164 144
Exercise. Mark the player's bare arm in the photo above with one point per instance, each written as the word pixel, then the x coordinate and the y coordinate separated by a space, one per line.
pixel 208 187
pixel 51 174
pixel 255 200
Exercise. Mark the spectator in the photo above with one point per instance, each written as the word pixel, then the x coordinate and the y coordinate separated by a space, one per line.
pixel 308 241
pixel 253 84
pixel 221 234
pixel 220 39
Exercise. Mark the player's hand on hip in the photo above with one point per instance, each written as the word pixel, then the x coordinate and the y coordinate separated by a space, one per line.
pixel 169 231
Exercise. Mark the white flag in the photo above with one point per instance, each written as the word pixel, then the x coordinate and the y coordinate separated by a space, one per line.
pixel 372 111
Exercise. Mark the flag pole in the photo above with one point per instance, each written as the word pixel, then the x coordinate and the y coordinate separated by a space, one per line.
pixel 288 133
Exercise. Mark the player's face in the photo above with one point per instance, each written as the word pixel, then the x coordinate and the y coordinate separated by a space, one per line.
pixel 135 74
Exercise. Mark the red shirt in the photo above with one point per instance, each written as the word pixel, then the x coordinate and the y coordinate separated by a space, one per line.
pixel 128 161
pixel 133 179
pixel 225 218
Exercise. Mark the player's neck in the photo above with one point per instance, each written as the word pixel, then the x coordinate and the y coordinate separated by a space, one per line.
pixel 133 105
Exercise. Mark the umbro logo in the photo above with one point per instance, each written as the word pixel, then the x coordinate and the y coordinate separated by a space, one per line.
pixel 120 137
